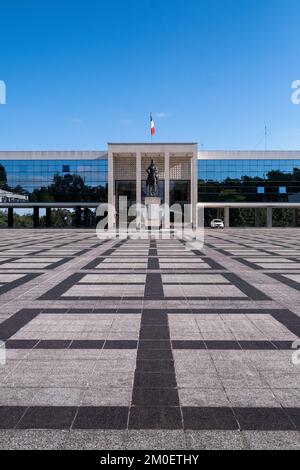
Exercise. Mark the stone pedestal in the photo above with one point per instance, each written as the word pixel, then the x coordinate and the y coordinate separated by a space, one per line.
pixel 153 212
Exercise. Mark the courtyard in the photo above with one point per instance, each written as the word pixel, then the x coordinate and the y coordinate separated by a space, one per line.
pixel 143 344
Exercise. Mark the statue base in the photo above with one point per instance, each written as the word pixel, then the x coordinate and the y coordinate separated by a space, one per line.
pixel 152 204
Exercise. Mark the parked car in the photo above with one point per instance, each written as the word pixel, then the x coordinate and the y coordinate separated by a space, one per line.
pixel 217 223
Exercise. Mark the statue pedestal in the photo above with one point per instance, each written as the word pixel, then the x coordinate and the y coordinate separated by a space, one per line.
pixel 153 212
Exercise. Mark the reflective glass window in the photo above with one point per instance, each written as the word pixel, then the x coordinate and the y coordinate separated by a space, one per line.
pixel 282 189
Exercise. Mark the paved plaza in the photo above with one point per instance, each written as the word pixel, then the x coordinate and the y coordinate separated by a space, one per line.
pixel 145 345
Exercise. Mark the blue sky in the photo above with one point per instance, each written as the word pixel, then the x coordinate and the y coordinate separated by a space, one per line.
pixel 82 73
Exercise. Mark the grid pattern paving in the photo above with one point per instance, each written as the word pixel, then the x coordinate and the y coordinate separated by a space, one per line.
pixel 145 344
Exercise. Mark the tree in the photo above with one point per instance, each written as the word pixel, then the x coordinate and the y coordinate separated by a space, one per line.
pixel 3 178
pixel 41 195
pixel 19 190
pixel 69 188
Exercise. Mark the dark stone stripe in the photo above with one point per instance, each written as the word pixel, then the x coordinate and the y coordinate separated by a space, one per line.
pixel 4 261
pixel 285 280
pixel 61 288
pixel 74 255
pixel 93 264
pixel 290 320
pixel 113 249
pixel 102 298
pixel 244 419
pixel 267 419
pixel 157 348
pixel 154 409
pixel 108 270
pixel 17 321
pixel 155 417
pixel 153 263
pixel 70 344
pixel 256 266
pixel 212 263
pixel 18 282
pixel 245 299
pixel 10 416
pixel 153 314
pixel 101 418
pixel 53 344
pixel 111 283
pixel 153 260
pixel 48 417
pixel 36 260
pixel 120 344
pixel 180 283
pixel 155 399
pixel 87 344
pixel 233 345
pixel 21 343
pixel 209 419
pixel 154 287
pixel 245 287
pixel 59 263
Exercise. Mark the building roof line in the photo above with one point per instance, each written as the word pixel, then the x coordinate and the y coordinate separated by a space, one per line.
pixel 152 143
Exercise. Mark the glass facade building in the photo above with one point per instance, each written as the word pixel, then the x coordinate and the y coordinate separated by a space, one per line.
pixel 249 180
pixel 57 176
pixel 36 174
pixel 222 176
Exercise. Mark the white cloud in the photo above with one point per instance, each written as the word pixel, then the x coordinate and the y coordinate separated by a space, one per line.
pixel 162 115
pixel 75 121
pixel 126 121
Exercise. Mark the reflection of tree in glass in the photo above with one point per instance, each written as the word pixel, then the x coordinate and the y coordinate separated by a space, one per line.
pixel 245 188
pixel 69 188
pixel 3 178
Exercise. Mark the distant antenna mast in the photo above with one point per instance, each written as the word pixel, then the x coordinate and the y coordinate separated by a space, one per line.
pixel 266 138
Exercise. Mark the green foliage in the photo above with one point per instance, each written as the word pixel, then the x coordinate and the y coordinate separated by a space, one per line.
pixel 232 190
pixel 282 217
pixel 20 220
pixel 3 178
pixel 19 190
pixel 23 221
pixel 3 219
pixel 59 218
pixel 69 188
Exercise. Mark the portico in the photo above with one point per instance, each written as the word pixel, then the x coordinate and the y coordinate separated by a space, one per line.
pixel 177 166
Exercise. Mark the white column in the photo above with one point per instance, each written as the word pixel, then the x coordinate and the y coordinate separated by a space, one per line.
pixel 167 191
pixel 194 189
pixel 138 189
pixel 111 192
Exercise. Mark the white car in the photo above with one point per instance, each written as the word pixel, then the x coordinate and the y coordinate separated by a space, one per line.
pixel 217 223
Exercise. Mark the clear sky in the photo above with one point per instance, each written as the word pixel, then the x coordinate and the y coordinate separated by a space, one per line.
pixel 82 73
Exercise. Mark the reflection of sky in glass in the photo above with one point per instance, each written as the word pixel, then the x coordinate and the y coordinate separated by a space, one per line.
pixel 39 173
pixel 218 170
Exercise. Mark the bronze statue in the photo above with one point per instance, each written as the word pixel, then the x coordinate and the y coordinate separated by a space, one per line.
pixel 152 180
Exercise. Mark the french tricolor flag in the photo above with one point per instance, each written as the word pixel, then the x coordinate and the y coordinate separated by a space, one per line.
pixel 152 126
